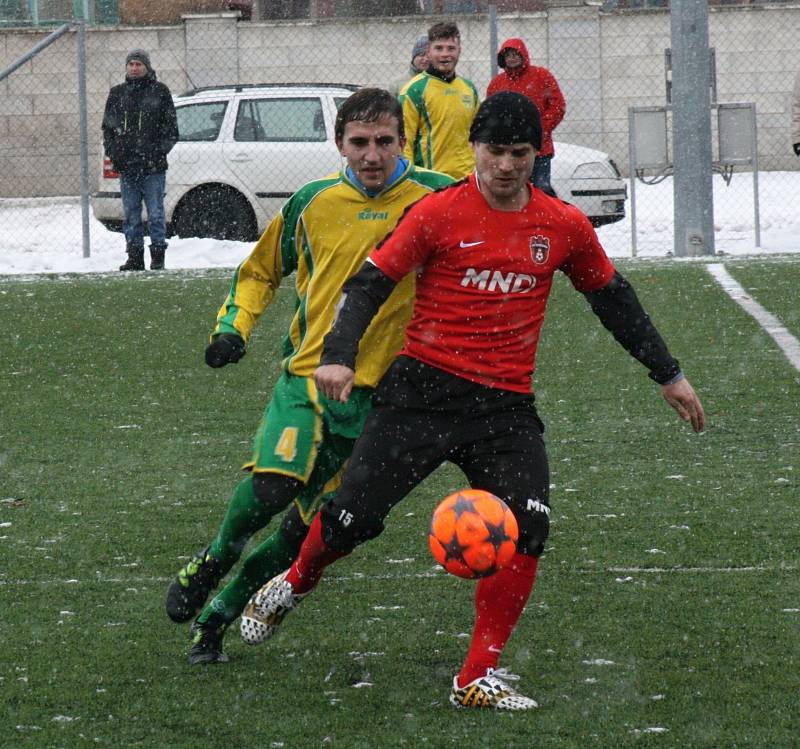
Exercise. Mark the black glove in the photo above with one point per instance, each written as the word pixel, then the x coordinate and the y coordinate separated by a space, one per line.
pixel 226 348
pixel 796 147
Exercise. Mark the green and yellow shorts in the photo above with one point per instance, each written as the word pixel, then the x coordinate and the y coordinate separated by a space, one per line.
pixel 308 437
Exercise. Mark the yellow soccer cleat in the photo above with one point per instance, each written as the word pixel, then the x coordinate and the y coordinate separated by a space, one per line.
pixel 491 691
pixel 267 608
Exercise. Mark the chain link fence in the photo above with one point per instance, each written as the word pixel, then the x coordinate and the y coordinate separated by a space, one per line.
pixel 244 148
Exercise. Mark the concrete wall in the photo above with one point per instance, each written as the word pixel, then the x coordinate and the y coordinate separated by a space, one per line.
pixel 605 62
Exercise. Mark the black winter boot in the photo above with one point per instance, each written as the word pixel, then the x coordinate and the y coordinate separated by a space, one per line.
pixel 157 252
pixel 135 259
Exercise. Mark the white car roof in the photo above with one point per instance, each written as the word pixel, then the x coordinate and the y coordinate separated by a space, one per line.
pixel 273 89
pixel 578 154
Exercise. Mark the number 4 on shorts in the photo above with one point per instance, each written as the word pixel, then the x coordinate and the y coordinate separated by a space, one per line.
pixel 286 449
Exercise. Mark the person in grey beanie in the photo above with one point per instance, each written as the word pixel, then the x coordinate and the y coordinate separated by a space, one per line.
pixel 419 62
pixel 139 130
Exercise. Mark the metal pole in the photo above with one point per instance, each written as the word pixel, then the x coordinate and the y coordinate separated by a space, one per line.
pixel 691 133
pixel 84 130
pixel 36 49
pixel 632 175
pixel 756 211
pixel 493 39
pixel 238 55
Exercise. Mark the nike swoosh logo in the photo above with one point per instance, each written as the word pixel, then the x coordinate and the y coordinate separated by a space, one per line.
pixel 470 244
pixel 494 649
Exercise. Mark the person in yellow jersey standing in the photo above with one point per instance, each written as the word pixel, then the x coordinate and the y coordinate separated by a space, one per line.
pixel 322 236
pixel 438 108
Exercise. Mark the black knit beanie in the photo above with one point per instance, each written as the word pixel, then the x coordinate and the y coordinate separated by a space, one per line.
pixel 507 118
pixel 140 55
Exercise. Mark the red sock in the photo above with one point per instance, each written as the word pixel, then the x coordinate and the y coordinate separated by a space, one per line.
pixel 315 555
pixel 499 602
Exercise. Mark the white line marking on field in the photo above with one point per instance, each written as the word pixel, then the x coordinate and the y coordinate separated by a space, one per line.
pixel 434 574
pixel 771 324
pixel 700 570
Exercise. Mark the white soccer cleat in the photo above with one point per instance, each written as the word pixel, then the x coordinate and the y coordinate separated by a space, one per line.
pixel 267 608
pixel 491 691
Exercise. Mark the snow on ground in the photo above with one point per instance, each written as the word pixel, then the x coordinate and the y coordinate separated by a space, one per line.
pixel 734 217
pixel 43 235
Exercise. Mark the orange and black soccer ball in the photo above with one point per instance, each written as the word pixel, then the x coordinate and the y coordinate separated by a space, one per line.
pixel 473 533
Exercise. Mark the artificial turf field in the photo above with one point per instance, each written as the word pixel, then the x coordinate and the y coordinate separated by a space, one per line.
pixel 667 610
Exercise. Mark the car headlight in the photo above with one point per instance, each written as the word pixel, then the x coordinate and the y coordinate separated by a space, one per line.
pixel 594 170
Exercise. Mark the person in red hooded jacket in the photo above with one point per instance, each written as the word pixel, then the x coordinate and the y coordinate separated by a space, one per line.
pixel 541 87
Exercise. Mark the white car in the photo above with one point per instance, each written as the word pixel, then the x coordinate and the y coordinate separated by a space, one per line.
pixel 244 149
pixel 590 180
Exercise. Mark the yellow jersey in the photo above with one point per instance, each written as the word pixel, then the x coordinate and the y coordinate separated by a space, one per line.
pixel 323 235
pixel 437 116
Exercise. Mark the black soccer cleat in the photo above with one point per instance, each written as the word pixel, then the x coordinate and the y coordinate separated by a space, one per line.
pixel 189 590
pixel 207 641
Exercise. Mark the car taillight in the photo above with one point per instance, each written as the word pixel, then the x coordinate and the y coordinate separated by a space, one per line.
pixel 108 169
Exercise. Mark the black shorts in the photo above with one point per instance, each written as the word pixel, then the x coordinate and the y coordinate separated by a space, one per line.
pixel 422 417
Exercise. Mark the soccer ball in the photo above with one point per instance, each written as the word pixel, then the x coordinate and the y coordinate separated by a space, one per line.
pixel 473 533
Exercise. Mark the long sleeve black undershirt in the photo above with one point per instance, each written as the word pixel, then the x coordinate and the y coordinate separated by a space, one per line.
pixel 621 313
pixel 616 305
pixel 362 297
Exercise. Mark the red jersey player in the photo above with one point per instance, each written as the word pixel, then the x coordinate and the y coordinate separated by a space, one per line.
pixel 484 251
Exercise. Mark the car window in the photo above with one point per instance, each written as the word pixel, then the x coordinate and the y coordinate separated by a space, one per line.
pixel 200 122
pixel 339 100
pixel 283 120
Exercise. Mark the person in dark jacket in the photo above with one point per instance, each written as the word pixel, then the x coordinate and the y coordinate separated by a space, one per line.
pixel 139 130
pixel 542 88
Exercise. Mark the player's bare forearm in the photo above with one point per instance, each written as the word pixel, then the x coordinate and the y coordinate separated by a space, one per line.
pixel 681 396
pixel 335 381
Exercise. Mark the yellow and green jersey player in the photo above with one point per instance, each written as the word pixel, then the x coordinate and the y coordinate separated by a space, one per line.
pixel 323 236
pixel 438 108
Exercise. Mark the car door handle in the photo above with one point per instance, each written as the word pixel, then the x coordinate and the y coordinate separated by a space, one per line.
pixel 241 157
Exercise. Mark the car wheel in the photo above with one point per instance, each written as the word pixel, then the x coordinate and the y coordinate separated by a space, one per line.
pixel 111 224
pixel 217 212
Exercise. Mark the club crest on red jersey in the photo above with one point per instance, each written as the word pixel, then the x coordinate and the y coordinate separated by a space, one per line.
pixel 540 248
